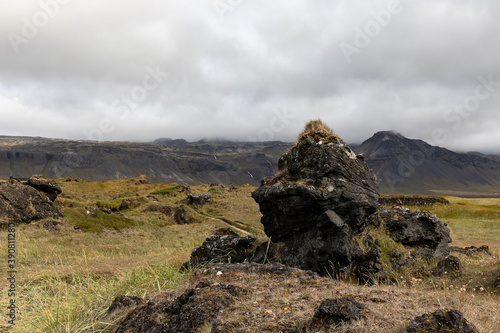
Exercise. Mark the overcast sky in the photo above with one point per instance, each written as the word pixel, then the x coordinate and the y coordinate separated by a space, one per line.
pixel 251 69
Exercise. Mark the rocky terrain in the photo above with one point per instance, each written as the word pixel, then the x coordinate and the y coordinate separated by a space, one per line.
pixel 320 212
pixel 401 165
pixel 325 257
pixel 165 161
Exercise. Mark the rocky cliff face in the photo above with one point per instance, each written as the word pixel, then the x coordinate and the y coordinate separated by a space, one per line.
pixel 164 161
pixel 32 200
pixel 315 206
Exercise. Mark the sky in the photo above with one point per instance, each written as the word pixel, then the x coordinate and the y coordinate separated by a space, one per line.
pixel 251 70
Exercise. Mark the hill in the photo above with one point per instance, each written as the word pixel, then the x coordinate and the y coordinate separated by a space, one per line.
pixel 413 166
pixel 402 165
pixel 162 161
pixel 73 268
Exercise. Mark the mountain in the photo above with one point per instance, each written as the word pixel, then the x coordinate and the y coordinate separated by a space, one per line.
pixel 165 160
pixel 412 166
pixel 402 165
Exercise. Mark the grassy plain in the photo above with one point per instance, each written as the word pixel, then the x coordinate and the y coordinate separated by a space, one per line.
pixel 67 279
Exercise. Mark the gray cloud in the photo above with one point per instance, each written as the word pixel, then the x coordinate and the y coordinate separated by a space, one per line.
pixel 250 70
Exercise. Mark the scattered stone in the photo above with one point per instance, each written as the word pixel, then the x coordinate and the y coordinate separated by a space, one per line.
pixel 51 225
pixel 24 203
pixel 338 311
pixel 441 321
pixel 187 313
pixel 91 211
pixel 403 262
pixel 496 284
pixel 224 245
pixel 314 206
pixel 184 188
pixel 50 189
pixel 105 210
pixel 450 265
pixel 198 198
pixel 72 179
pixel 414 228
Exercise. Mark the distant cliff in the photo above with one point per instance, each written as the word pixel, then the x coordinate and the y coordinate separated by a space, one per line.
pixel 401 165
pixel 163 161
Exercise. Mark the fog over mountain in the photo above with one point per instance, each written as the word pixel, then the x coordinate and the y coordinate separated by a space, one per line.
pixel 251 70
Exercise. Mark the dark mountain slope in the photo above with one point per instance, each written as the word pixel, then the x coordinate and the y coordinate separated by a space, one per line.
pixel 171 161
pixel 402 165
pixel 412 166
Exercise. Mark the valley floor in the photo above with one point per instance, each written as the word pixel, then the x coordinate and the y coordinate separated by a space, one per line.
pixel 68 275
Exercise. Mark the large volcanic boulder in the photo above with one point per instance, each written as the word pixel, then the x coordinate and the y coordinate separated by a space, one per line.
pixel 424 231
pixel 24 203
pixel 316 204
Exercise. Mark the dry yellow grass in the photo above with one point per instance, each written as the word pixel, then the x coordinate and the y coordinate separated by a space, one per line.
pixel 67 280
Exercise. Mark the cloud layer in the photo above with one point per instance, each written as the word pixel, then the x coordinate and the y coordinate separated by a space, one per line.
pixel 251 70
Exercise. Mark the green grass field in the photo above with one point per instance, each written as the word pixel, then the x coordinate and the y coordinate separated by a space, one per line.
pixel 66 280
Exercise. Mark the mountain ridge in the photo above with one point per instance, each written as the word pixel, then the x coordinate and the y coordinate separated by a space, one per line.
pixel 402 165
pixel 413 166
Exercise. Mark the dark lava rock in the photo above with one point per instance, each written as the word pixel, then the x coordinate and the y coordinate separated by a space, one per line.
pixel 415 228
pixel 24 203
pixel 441 321
pixel 199 198
pixel 496 284
pixel 319 200
pixel 121 302
pixel 450 265
pixel 51 225
pixel 369 268
pixel 224 245
pixel 183 314
pixel 338 311
pixel 50 189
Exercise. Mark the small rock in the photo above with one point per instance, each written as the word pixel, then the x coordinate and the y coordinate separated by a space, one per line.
pixel 51 225
pixel 224 245
pixel 441 321
pixel 450 265
pixel 496 284
pixel 337 311
pixel 199 198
